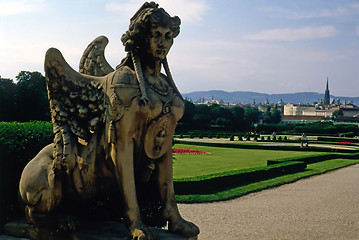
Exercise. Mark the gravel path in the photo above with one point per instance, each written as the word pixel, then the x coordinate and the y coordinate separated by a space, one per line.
pixel 320 207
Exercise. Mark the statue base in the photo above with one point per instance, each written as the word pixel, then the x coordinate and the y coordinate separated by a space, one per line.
pixel 107 230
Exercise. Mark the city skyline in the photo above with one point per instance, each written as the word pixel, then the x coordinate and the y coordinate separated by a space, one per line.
pixel 270 47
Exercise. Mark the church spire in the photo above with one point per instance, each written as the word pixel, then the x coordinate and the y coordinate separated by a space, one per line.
pixel 327 94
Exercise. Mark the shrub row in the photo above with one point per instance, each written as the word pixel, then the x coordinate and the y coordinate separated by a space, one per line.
pixel 338 139
pixel 19 142
pixel 316 158
pixel 217 182
pixel 267 147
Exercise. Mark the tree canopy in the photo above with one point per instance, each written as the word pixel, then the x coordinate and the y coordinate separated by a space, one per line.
pixel 24 100
pixel 202 116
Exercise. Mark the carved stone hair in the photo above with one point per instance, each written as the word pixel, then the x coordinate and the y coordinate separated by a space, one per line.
pixel 140 25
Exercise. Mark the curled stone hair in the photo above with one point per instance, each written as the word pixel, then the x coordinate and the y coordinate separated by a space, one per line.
pixel 140 24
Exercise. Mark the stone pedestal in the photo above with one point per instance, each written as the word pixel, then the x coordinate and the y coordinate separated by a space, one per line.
pixel 108 230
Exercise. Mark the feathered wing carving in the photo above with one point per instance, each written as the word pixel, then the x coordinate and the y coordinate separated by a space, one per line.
pixel 93 61
pixel 77 106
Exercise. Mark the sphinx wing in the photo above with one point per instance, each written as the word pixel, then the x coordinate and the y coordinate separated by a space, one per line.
pixel 93 61
pixel 76 100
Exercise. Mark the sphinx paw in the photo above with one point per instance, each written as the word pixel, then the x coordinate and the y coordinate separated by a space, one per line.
pixel 184 228
pixel 142 232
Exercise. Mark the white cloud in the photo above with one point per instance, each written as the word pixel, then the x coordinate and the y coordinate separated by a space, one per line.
pixel 288 34
pixel 8 8
pixel 188 11
pixel 321 13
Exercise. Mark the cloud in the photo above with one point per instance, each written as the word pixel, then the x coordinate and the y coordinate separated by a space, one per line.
pixel 8 8
pixel 188 11
pixel 341 11
pixel 288 34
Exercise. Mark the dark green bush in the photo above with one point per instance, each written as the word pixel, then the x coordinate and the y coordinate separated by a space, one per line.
pixel 231 138
pixel 19 143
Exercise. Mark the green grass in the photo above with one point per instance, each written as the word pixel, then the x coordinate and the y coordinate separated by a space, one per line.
pixel 226 159
pixel 312 169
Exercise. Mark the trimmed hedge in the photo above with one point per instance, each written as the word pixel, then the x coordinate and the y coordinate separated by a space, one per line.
pixel 316 158
pixel 268 147
pixel 338 139
pixel 217 182
pixel 19 143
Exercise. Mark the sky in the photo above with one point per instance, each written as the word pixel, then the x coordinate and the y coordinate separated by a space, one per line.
pixel 277 46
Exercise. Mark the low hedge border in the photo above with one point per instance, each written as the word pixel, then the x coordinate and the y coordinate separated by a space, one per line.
pixel 316 158
pixel 217 182
pixel 266 147
pixel 338 139
pixel 307 159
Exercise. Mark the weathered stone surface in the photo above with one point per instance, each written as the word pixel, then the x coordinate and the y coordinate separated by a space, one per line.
pixel 113 132
pixel 108 230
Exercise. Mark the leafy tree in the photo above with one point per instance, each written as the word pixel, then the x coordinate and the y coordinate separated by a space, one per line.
pixel 237 118
pixel 251 116
pixel 7 100
pixel 272 115
pixel 190 111
pixel 276 115
pixel 31 97
pixel 337 113
pixel 220 115
pixel 202 118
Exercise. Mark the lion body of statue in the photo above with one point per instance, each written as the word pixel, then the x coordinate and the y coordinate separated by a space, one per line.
pixel 113 134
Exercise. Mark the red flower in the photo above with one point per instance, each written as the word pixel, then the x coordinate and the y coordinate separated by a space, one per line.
pixel 347 143
pixel 188 151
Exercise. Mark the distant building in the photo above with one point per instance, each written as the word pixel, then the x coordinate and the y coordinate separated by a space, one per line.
pixel 327 95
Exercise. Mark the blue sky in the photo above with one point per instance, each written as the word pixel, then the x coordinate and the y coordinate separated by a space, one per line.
pixel 277 46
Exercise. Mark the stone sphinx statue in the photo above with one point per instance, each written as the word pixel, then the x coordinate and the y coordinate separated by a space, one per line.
pixel 113 133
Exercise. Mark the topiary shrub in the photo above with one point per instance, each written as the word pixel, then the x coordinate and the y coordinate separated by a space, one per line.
pixel 231 138
pixel 19 143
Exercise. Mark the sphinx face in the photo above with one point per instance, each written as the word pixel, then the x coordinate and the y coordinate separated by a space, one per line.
pixel 160 42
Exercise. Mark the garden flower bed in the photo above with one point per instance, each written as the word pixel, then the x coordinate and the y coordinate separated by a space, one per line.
pixel 188 151
pixel 347 143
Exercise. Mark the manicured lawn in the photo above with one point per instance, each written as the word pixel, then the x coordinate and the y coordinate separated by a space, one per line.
pixel 226 159
pixel 313 169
